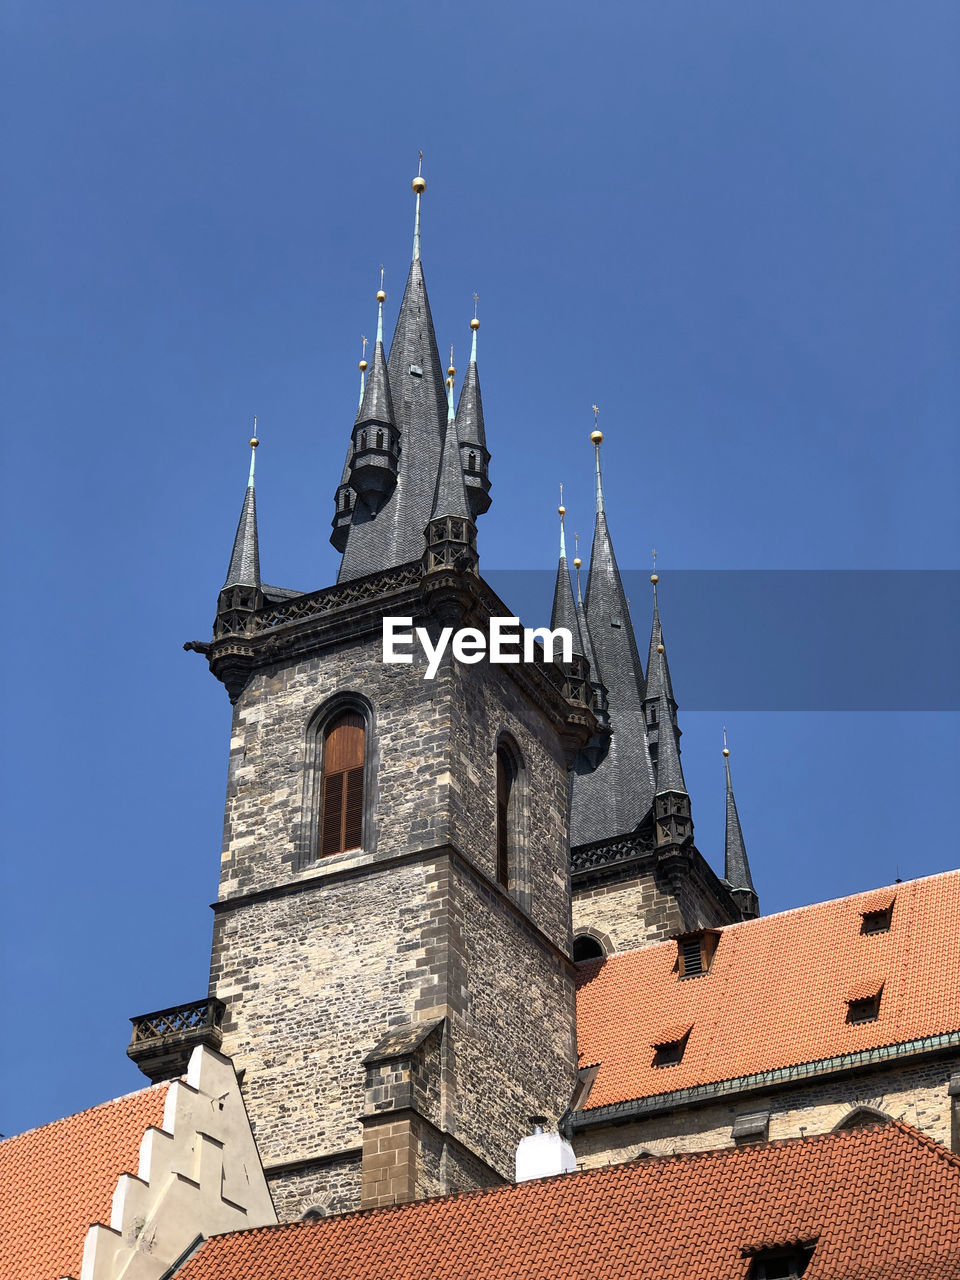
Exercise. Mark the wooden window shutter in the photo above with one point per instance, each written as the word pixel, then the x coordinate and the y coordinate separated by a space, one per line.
pixel 341 813
pixel 503 826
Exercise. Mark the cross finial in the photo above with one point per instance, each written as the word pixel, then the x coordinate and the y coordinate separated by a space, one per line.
pixel 420 166
pixel 363 346
pixel 576 544
pixel 476 304
pixel 596 416
pixel 561 493
pixel 381 275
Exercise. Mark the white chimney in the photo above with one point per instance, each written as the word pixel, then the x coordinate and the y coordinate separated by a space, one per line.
pixel 541 1155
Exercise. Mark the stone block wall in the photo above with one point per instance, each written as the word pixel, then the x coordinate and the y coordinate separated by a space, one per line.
pixel 639 904
pixel 916 1094
pixel 317 960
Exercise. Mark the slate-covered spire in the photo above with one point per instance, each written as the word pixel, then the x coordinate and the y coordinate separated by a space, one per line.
pixel 564 612
pixel 736 868
pixel 344 499
pixel 658 683
pixel 613 796
pixel 376 440
pixel 391 533
pixel 470 429
pixel 244 567
pixel 451 535
pixel 240 594
pixel 600 706
pixel 674 822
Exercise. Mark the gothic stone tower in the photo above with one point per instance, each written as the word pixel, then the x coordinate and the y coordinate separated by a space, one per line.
pixel 392 932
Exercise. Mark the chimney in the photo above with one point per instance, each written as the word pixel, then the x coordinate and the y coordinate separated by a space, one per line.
pixel 542 1155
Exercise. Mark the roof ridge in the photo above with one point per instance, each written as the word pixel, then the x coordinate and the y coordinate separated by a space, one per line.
pixel 108 1102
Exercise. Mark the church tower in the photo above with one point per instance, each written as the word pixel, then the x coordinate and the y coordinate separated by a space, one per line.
pixel 637 875
pixel 392 939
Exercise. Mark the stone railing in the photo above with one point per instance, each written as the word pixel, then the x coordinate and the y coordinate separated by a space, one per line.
pixel 162 1042
pixel 605 853
pixel 336 597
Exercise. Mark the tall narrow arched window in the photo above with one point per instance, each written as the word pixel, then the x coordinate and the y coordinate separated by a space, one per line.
pixel 505 778
pixel 341 784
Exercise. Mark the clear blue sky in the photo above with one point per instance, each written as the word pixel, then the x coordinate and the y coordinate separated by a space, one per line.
pixel 732 226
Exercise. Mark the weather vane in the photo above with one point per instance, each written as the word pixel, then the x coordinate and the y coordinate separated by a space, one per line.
pixel 363 349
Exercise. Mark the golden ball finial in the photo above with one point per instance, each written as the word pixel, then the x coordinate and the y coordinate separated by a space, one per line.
pixel 474 324
pixel 451 371
pixel 654 578
pixel 449 382
pixel 577 562
pixel 419 185
pixel 660 648
pixel 254 442
pixel 726 751
pixel 362 366
pixel 381 296
pixel 596 437
pixel 561 510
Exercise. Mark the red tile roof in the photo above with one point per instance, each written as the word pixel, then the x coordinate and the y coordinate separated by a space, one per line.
pixel 776 994
pixel 58 1180
pixel 883 1204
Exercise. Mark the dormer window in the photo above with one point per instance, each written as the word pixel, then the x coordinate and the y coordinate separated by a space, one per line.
pixel 876 914
pixel 781 1264
pixel 863 1002
pixel 670 1044
pixel 695 951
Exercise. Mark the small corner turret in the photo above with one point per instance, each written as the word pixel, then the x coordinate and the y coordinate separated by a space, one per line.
pixel 241 594
pixel 736 867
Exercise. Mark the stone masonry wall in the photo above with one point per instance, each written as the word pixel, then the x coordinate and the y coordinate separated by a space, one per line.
pixel 638 906
pixel 317 959
pixel 916 1094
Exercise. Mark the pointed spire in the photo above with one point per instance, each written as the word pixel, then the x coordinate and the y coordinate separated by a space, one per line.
pixel 658 681
pixel 613 796
pixel 564 613
pixel 419 187
pixel 244 569
pixel 450 498
pixel 470 429
pixel 377 402
pixel 736 868
pixel 669 769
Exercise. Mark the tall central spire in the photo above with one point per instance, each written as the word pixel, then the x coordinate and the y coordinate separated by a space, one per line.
pixel 389 531
pixel 613 796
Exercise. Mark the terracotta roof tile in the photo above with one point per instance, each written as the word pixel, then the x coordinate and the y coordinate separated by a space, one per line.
pixel 776 992
pixel 859 1193
pixel 57 1180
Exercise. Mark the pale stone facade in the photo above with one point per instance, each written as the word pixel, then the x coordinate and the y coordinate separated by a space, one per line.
pixel 197 1176
pixel 918 1094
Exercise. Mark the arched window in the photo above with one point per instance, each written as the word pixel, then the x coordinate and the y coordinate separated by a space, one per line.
pixel 363 440
pixel 506 806
pixel 586 947
pixel 341 784
pixel 379 439
pixel 471 461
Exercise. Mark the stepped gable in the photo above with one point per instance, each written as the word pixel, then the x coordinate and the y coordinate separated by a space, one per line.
pixel 776 993
pixel 858 1194
pixel 57 1180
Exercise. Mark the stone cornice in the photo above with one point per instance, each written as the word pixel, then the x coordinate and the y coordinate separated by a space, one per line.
pixel 305 883
pixel 778 1078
